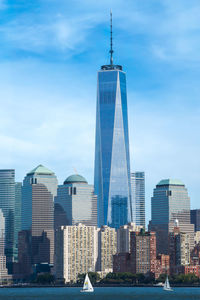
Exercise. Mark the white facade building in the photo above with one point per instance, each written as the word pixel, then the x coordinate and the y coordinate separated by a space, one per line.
pixel 76 251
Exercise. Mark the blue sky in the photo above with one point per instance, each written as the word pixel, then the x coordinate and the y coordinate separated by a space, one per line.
pixel 50 52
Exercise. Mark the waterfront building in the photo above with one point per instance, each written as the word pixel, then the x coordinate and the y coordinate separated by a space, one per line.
pixel 107 247
pixel 182 248
pixel 75 202
pixel 7 205
pixel 170 201
pixel 123 236
pixel 195 218
pixel 138 198
pixel 17 217
pixel 143 252
pixel 38 192
pixel 3 270
pixel 112 162
pixel 76 251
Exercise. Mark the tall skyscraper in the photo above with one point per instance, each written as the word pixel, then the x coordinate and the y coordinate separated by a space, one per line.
pixel 138 198
pixel 75 202
pixel 7 205
pixel 170 201
pixel 112 162
pixel 17 218
pixel 38 192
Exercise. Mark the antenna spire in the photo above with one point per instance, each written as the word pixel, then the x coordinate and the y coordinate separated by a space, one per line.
pixel 111 42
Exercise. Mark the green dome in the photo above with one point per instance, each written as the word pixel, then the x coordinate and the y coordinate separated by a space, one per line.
pixel 75 179
pixel 170 182
pixel 40 170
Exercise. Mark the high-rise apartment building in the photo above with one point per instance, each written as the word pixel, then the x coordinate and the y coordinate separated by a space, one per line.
pixel 195 218
pixel 170 201
pixel 7 205
pixel 182 248
pixel 143 251
pixel 107 247
pixel 138 198
pixel 75 202
pixel 17 217
pixel 3 270
pixel 112 162
pixel 76 251
pixel 123 236
pixel 38 192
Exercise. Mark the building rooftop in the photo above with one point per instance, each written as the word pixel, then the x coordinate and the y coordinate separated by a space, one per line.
pixel 75 179
pixel 40 170
pixel 170 182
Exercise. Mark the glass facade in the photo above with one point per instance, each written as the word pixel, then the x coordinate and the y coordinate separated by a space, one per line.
pixel 7 205
pixel 170 202
pixel 138 198
pixel 112 163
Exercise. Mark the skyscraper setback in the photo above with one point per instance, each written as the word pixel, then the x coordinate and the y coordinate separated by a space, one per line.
pixel 112 162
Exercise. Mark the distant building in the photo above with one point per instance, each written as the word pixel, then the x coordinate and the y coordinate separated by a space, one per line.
pixel 7 205
pixel 38 192
pixel 195 218
pixel 123 236
pixel 170 201
pixel 143 251
pixel 3 270
pixel 182 241
pixel 17 217
pixel 138 198
pixel 142 256
pixel 75 203
pixel 76 251
pixel 107 247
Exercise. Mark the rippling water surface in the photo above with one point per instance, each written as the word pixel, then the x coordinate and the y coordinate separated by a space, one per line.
pixel 99 294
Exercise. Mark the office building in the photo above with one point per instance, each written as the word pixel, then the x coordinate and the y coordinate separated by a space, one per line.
pixel 138 198
pixel 182 248
pixel 76 251
pixel 170 201
pixel 38 192
pixel 123 236
pixel 112 162
pixel 195 218
pixel 75 202
pixel 7 205
pixel 107 247
pixel 17 217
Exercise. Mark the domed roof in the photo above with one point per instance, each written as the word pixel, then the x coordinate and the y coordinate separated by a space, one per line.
pixel 170 182
pixel 40 170
pixel 75 179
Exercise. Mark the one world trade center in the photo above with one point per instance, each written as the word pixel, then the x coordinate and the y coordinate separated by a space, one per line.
pixel 112 162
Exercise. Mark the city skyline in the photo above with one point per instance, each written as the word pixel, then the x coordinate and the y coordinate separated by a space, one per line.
pixel 38 110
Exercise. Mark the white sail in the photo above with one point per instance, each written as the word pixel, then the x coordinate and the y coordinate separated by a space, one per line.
pixel 87 286
pixel 167 285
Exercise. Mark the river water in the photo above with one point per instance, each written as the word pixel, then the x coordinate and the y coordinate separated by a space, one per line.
pixel 114 293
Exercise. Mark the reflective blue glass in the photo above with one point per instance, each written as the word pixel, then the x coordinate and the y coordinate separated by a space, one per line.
pixel 112 162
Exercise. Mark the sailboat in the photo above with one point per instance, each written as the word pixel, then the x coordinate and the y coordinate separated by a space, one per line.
pixel 167 286
pixel 87 286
